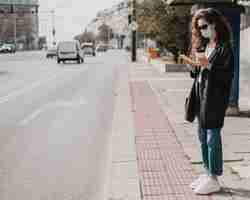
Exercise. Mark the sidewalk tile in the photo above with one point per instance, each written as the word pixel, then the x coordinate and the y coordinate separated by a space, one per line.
pixel 150 166
pixel 162 197
pixel 152 154
pixel 164 170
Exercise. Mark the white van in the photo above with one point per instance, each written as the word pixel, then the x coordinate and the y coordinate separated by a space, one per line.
pixel 88 48
pixel 69 50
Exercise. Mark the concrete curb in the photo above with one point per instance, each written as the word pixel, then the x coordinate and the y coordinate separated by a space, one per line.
pixel 163 67
pixel 123 181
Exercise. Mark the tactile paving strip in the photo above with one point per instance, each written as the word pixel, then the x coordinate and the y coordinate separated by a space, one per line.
pixel 164 170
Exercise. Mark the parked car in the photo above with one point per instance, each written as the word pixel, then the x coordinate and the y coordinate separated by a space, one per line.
pixel 102 48
pixel 51 52
pixel 88 49
pixel 69 50
pixel 7 48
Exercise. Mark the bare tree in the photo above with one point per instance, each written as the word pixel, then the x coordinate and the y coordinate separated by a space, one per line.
pixel 105 33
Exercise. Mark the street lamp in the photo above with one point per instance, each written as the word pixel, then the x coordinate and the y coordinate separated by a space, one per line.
pixel 53 24
pixel 134 32
pixel 53 31
pixel 133 27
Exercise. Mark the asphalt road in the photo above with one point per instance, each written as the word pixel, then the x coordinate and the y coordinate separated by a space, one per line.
pixel 55 125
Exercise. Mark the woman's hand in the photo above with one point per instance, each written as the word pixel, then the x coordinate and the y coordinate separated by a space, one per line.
pixel 203 62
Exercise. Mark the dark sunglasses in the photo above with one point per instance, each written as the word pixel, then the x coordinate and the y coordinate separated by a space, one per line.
pixel 203 27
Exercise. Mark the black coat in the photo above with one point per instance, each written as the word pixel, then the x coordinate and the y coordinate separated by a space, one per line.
pixel 214 89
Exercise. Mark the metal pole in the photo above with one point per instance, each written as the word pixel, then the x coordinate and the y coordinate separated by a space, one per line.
pixel 133 55
pixel 15 31
pixel 235 20
pixel 108 35
pixel 14 18
pixel 53 26
pixel 50 26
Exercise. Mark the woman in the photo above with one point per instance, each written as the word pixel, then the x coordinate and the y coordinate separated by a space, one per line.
pixel 212 48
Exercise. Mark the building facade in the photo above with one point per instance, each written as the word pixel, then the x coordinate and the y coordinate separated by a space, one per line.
pixel 245 17
pixel 245 32
pixel 19 23
pixel 117 19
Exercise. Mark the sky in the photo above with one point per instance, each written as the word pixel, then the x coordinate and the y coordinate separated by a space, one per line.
pixel 71 16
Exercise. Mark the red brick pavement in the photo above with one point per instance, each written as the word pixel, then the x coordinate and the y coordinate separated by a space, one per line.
pixel 165 173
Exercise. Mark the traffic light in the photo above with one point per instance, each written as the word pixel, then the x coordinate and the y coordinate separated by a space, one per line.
pixel 53 32
pixel 12 9
pixel 129 19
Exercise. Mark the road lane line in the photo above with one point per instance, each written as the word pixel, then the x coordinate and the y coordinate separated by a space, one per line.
pixel 56 104
pixel 33 115
pixel 34 85
pixel 24 90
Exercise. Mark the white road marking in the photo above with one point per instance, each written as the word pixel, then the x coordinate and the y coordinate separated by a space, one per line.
pixel 34 115
pixel 57 104
pixel 24 90
pixel 34 85
pixel 70 104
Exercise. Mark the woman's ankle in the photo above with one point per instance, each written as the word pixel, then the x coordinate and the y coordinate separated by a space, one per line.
pixel 214 177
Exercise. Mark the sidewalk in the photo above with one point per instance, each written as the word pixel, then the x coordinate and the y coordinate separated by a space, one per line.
pixel 156 153
pixel 164 171
pixel 164 140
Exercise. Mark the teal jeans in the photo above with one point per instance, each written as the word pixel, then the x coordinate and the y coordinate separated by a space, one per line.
pixel 211 149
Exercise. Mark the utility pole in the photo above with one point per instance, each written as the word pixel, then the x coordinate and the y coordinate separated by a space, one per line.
pixel 14 18
pixel 53 26
pixel 134 32
pixel 51 13
pixel 15 27
pixel 109 35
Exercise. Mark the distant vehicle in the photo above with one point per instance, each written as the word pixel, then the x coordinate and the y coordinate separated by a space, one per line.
pixel 111 47
pixel 102 48
pixel 128 48
pixel 51 52
pixel 87 44
pixel 45 47
pixel 88 48
pixel 69 50
pixel 7 48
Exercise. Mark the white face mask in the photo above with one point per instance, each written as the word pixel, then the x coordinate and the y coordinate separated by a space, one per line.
pixel 207 30
pixel 207 33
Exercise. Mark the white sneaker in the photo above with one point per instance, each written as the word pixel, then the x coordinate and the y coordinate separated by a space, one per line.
pixel 198 181
pixel 208 186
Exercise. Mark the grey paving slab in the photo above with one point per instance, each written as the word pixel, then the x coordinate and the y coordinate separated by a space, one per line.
pixel 229 180
pixel 236 125
pixel 243 171
pixel 246 158
pixel 195 157
pixel 223 195
pixel 238 189
pixel 124 171
pixel 239 148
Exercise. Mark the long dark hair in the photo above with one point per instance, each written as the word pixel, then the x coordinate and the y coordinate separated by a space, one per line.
pixel 212 16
